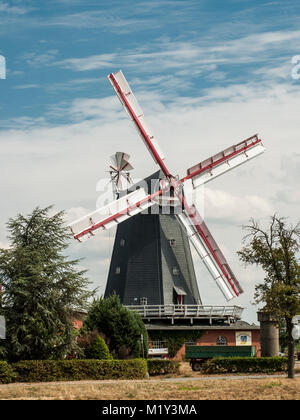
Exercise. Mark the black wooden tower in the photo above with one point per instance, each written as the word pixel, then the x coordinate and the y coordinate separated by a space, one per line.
pixel 151 260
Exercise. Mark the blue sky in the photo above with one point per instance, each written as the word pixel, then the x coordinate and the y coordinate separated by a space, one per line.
pixel 60 50
pixel 207 73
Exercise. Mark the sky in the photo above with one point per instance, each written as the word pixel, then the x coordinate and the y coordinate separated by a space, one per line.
pixel 207 73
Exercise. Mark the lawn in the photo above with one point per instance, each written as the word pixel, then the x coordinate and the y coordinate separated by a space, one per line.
pixel 187 386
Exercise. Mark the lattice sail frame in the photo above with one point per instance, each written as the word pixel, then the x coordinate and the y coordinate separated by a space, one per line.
pixel 197 231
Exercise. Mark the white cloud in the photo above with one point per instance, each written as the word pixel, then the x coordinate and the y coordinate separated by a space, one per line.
pixel 197 56
pixel 231 208
pixel 13 10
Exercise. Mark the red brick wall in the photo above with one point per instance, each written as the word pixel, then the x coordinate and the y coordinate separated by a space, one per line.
pixel 209 338
pixel 77 324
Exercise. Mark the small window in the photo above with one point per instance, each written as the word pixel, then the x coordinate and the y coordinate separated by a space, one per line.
pixel 122 242
pixel 176 271
pixel 158 344
pixel 118 270
pixel 221 341
pixel 143 301
pixel 172 243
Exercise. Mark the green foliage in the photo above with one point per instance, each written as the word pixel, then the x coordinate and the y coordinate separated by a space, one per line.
pixel 174 340
pixel 7 374
pixel 162 367
pixel 85 340
pixel 122 327
pixel 99 350
pixel 275 250
pixel 245 365
pixel 40 287
pixel 74 370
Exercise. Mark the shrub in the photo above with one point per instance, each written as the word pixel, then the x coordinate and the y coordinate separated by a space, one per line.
pixel 245 365
pixel 162 367
pixel 85 340
pixel 121 326
pixel 72 370
pixel 99 350
pixel 92 346
pixel 7 374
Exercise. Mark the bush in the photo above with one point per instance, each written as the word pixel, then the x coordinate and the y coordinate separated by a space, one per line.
pixel 92 345
pixel 245 365
pixel 7 374
pixel 73 370
pixel 99 350
pixel 162 367
pixel 121 326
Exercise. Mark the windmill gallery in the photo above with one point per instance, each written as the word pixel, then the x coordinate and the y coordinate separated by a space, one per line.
pixel 152 267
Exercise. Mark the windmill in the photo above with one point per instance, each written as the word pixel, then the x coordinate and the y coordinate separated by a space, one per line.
pixel 137 201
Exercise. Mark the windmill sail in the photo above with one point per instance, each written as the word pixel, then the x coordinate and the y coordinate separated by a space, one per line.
pixel 210 253
pixel 112 214
pixel 132 107
pixel 225 161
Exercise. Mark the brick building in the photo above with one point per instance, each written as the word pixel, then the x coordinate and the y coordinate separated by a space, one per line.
pixel 236 334
pixel 222 326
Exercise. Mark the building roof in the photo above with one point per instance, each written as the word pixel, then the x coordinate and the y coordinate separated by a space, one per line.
pixel 239 325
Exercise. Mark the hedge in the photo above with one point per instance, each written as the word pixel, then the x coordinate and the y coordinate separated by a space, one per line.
pixel 245 365
pixel 7 373
pixel 74 370
pixel 162 367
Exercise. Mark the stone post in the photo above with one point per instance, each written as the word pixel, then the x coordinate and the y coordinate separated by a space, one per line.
pixel 269 334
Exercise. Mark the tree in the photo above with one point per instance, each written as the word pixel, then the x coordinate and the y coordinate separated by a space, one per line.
pixel 275 250
pixel 122 327
pixel 41 288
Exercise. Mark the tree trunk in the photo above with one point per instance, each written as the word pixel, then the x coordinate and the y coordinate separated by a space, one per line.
pixel 291 350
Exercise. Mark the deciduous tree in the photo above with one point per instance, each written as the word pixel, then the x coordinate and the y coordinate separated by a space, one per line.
pixel 276 249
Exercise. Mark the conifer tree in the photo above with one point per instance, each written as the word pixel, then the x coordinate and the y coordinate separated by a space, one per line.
pixel 40 287
pixel 123 328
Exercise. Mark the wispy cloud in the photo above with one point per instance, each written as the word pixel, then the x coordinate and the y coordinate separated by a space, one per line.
pixel 257 53
pixel 39 59
pixel 6 8
pixel 27 86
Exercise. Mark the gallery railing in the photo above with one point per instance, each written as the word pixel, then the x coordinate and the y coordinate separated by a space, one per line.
pixel 210 312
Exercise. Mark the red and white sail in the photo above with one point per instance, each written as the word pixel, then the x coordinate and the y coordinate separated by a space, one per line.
pixel 210 253
pixel 132 107
pixel 224 161
pixel 112 214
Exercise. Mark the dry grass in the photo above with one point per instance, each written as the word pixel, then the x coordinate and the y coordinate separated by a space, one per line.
pixel 189 386
pixel 208 389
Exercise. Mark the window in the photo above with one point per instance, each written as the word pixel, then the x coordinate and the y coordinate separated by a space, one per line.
pixel 176 271
pixel 221 341
pixel 122 242
pixel 143 301
pixel 158 344
pixel 118 270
